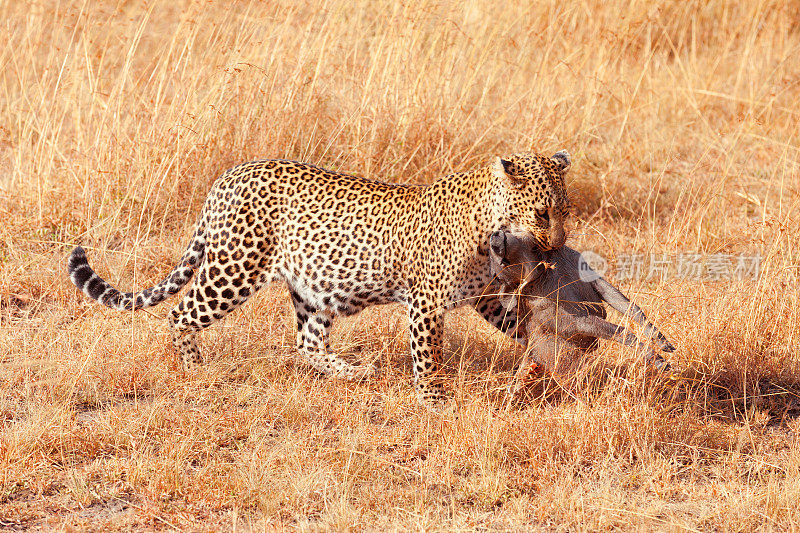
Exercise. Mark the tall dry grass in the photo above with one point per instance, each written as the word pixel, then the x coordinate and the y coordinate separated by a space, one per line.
pixel 682 119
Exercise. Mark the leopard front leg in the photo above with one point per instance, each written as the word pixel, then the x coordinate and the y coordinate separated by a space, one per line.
pixel 426 324
pixel 502 312
pixel 313 328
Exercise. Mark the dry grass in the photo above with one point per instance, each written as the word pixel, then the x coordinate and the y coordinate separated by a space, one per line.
pixel 683 123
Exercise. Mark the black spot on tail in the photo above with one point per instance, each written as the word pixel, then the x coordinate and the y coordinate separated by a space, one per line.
pixel 95 288
pixel 88 281
pixel 81 275
pixel 79 270
pixel 112 299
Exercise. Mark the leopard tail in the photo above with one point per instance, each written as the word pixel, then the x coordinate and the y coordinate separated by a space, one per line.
pixel 96 288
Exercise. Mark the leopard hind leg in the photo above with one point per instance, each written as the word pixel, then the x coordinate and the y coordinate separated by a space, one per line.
pixel 313 329
pixel 220 287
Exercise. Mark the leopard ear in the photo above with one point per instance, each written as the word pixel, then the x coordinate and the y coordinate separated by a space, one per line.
pixel 501 168
pixel 504 170
pixel 561 160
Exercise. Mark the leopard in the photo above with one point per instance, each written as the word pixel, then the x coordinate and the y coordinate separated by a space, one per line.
pixel 342 243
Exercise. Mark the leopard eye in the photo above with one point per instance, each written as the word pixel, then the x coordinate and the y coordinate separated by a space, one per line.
pixel 542 213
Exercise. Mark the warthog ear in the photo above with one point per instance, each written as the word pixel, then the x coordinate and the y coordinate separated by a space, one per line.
pixel 497 242
pixel 562 160
pixel 505 170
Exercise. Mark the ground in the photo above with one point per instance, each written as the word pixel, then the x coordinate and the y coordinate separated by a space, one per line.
pixel 682 121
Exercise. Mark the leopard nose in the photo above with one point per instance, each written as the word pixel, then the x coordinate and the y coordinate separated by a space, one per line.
pixel 557 234
pixel 557 237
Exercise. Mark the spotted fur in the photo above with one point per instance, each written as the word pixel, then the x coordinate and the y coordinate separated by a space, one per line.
pixel 342 243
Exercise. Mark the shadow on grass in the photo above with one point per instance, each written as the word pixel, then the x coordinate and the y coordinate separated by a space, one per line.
pixel 724 396
pixel 729 397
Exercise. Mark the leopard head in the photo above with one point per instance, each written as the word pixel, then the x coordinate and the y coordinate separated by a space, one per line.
pixel 530 196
